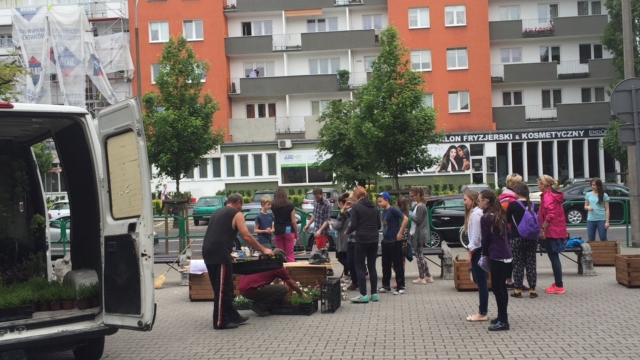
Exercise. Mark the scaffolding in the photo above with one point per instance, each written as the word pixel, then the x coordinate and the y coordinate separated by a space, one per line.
pixel 107 17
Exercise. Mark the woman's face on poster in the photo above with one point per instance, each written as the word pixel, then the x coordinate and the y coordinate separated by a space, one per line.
pixel 452 153
pixel 460 153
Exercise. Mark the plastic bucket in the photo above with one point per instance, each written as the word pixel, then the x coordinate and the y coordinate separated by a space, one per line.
pixel 321 242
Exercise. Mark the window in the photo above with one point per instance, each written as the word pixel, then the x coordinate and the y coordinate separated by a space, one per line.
pixel 511 55
pixel 455 15
pixel 428 99
pixel 193 30
pixel 510 12
pixel 155 71
pixel 549 53
pixel 265 68
pixel 321 25
pixel 368 63
pixel 6 41
pixel 203 168
pixel 511 98
pixel 158 31
pixel 583 8
pixel 257 28
pixel 586 95
pixel 421 60
pixel 215 164
pixel 244 165
pixel 589 51
pixel 419 18
pixel 231 166
pixel 457 59
pixel 546 12
pixel 318 107
pixel 324 66
pixel 372 22
pixel 459 101
pixel 599 93
pixel 550 98
pixel 257 164
pixel 261 110
pixel 271 164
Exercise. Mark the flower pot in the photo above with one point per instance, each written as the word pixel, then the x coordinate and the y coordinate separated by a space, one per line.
pixel 44 306
pixel 67 304
pixel 56 305
pixel 83 304
pixel 95 302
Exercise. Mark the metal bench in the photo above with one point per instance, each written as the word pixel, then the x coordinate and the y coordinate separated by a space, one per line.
pixel 584 258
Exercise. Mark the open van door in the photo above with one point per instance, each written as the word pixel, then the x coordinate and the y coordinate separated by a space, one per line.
pixel 127 218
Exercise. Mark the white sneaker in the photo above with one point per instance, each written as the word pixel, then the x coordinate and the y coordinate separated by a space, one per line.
pixel 399 291
pixel 420 281
pixel 383 290
pixel 428 279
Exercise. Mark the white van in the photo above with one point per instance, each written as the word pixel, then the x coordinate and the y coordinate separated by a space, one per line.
pixel 107 174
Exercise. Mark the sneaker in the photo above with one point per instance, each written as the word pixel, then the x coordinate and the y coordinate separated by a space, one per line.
pixel 384 290
pixel 553 289
pixel 374 297
pixel 256 253
pixel 420 281
pixel 428 279
pixel 517 294
pixel 352 287
pixel 260 312
pixel 361 299
pixel 399 292
pixel 525 288
pixel 533 294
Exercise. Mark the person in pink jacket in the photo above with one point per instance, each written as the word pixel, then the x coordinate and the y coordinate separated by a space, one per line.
pixel 553 228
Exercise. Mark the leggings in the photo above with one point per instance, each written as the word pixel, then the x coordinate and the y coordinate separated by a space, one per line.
pixel 423 268
pixel 524 258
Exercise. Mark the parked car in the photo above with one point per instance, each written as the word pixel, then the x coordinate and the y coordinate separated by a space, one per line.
pixel 205 206
pixel 331 194
pixel 447 218
pixel 574 201
pixel 534 192
pixel 59 209
pixel 476 187
pixel 257 196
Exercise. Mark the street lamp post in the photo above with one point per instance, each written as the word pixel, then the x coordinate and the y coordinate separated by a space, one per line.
pixel 138 73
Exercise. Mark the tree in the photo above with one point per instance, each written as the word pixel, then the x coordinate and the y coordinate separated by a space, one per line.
pixel 177 119
pixel 389 126
pixel 612 36
pixel 610 142
pixel 10 73
pixel 43 157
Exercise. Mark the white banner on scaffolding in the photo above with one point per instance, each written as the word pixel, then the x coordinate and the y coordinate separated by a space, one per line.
pixel 113 50
pixel 31 36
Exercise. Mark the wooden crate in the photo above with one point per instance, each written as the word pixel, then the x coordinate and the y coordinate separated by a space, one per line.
pixel 604 252
pixel 306 274
pixel 462 276
pixel 200 287
pixel 628 270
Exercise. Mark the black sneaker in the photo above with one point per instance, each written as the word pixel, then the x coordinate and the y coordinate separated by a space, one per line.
pixel 494 321
pixel 241 320
pixel 260 312
pixel 517 294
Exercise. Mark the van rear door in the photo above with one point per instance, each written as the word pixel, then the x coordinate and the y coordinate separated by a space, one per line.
pixel 127 224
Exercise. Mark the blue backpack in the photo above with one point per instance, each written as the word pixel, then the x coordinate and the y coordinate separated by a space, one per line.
pixel 529 227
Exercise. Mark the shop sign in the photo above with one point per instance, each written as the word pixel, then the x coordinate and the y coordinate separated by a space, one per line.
pixel 526 135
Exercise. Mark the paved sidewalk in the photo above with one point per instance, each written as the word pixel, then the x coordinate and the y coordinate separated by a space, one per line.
pixel 596 319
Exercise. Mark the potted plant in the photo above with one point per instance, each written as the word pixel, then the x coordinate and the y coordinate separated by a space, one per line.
pixel 343 78
pixel 88 296
pixel 53 294
pixel 242 303
pixel 67 296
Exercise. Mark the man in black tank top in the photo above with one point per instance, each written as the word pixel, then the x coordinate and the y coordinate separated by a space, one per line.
pixel 217 245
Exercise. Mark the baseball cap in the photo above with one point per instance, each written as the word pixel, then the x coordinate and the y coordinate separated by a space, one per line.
pixel 385 195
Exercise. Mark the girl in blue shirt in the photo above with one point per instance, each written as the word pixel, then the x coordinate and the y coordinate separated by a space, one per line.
pixel 596 202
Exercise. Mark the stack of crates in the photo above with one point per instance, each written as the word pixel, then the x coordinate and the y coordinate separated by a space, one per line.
pixel 331 296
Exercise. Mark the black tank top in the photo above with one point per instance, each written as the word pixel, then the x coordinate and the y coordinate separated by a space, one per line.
pixel 219 237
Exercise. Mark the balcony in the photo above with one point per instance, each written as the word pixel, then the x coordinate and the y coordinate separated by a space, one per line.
pixel 559 26
pixel 274 128
pixel 547 71
pixel 290 124
pixel 283 85
pixel 336 40
pixel 244 6
pixel 563 115
pixel 246 45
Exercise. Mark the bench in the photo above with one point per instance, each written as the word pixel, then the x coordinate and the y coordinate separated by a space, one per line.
pixel 443 253
pixel 584 258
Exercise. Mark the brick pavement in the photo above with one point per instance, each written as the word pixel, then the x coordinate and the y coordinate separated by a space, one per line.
pixel 596 319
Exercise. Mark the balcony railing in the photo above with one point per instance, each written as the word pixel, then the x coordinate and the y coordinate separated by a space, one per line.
pixel 234 86
pixel 348 2
pixel 537 27
pixel 536 113
pixel 289 124
pixel 286 42
pixel 572 69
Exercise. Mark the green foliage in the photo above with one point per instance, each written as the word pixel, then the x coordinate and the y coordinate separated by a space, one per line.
pixel 44 158
pixel 10 76
pixel 296 200
pixel 178 120
pixel 157 207
pixel 67 292
pixel 311 292
pixel 388 126
pixel 611 145
pixel 38 223
pixel 87 292
pixel 242 302
pixel 612 36
pixel 246 199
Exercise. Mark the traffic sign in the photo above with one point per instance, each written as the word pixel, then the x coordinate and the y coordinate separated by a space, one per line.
pixel 625 99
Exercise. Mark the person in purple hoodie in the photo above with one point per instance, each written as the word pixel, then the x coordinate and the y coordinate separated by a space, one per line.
pixel 553 228
pixel 495 244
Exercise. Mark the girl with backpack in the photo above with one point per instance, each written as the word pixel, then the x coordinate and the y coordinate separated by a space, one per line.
pixel 495 245
pixel 524 250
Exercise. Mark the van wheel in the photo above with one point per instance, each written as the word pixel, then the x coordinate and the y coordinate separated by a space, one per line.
pixel 92 350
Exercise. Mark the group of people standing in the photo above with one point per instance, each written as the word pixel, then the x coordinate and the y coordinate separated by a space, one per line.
pixel 493 227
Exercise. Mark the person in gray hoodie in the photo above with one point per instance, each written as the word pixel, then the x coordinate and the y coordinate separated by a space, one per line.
pixel 365 221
